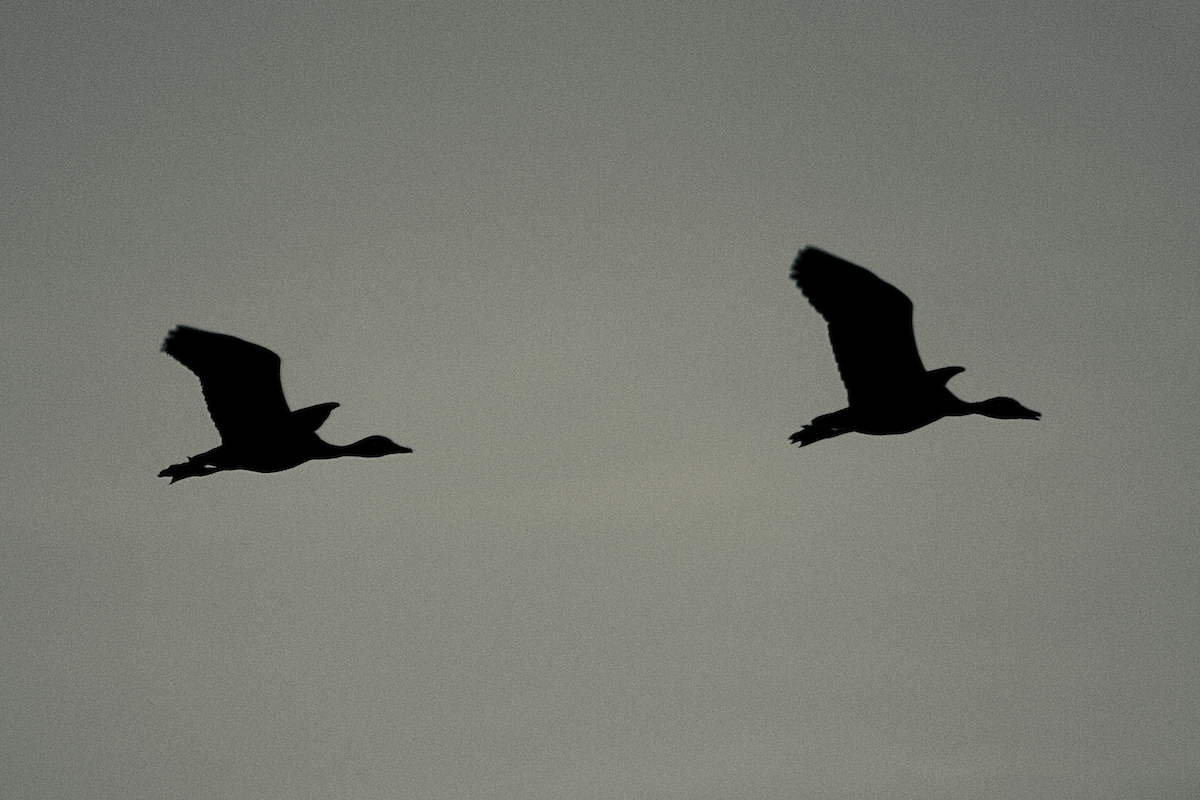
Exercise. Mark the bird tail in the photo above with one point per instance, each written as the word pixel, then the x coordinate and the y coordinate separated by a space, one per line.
pixel 188 469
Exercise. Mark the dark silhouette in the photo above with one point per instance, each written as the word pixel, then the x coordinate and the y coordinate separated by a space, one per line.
pixel 245 399
pixel 870 328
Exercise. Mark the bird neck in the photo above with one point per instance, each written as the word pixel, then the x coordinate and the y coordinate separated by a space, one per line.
pixel 353 449
pixel 985 408
pixel 955 407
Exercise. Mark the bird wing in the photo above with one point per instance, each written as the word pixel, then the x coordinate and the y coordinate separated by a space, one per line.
pixel 870 325
pixel 240 380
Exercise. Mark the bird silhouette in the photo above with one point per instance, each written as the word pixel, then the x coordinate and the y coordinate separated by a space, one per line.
pixel 871 330
pixel 244 394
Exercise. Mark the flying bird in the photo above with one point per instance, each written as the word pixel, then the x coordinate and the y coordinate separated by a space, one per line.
pixel 244 394
pixel 871 330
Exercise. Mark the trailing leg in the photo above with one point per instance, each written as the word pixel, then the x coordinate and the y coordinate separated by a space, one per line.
pixel 188 469
pixel 825 426
pixel 811 433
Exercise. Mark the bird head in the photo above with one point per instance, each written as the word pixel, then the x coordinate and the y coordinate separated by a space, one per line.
pixel 373 446
pixel 1005 408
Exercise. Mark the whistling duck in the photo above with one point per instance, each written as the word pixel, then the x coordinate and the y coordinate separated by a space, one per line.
pixel 870 328
pixel 244 394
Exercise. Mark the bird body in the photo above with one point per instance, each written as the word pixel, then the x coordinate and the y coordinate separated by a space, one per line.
pixel 870 329
pixel 244 394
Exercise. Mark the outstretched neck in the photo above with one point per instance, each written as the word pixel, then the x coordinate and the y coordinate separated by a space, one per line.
pixel 961 408
pixel 359 448
pixel 370 447
pixel 1002 408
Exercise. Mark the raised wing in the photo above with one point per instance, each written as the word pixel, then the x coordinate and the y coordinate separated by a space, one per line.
pixel 240 381
pixel 870 325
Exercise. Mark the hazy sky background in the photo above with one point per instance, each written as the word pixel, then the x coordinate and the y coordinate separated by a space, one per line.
pixel 546 245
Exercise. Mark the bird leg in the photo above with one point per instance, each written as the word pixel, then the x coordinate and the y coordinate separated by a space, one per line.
pixel 191 468
pixel 812 433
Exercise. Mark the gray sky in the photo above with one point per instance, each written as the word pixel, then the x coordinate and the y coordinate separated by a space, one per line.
pixel 546 245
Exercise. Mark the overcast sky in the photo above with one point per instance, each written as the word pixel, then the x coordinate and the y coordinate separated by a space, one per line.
pixel 546 245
